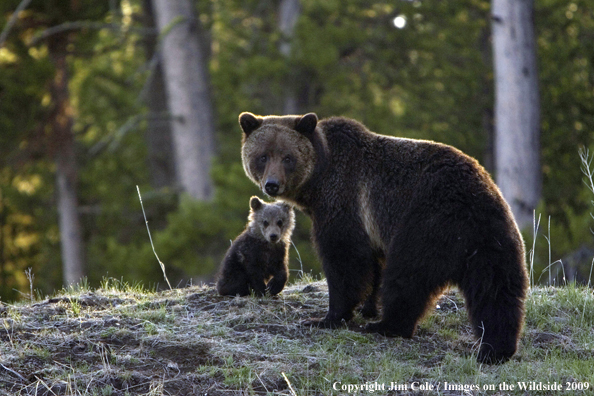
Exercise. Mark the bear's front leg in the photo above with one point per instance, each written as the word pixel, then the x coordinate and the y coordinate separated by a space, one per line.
pixel 348 264
pixel 256 281
pixel 277 283
pixel 340 311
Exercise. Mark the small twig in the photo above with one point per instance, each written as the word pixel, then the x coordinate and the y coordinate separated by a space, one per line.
pixel 151 239
pixel 39 380
pixel 30 276
pixel 586 168
pixel 79 25
pixel 13 372
pixel 263 384
pixel 535 226
pixel 13 18
pixel 298 259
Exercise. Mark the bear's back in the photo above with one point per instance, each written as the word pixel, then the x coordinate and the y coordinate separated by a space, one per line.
pixel 388 176
pixel 346 137
pixel 395 163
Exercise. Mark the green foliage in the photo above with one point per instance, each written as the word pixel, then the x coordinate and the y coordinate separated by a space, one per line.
pixel 403 82
pixel 563 250
pixel 566 68
pixel 431 79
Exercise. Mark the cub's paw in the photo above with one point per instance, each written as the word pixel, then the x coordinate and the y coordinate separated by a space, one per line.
pixel 273 288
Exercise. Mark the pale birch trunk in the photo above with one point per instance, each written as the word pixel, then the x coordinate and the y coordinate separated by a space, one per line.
pixel 186 80
pixel 517 109
pixel 68 221
pixel 289 12
pixel 160 156
pixel 62 148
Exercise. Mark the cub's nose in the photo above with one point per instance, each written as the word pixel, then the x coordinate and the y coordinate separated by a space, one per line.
pixel 273 237
pixel 271 187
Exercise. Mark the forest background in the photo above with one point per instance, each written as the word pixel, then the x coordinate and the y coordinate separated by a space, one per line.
pixel 83 106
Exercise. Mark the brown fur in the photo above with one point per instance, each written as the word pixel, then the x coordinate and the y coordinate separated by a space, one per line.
pixel 258 258
pixel 405 217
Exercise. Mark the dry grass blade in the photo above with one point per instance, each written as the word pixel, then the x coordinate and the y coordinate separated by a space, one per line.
pixel 289 384
pixel 151 239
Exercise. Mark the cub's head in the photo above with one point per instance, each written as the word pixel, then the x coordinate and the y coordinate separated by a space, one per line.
pixel 278 152
pixel 274 222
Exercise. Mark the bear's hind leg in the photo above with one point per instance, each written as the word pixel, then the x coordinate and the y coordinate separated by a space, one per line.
pixel 412 279
pixel 497 324
pixel 369 309
pixel 495 303
pixel 404 302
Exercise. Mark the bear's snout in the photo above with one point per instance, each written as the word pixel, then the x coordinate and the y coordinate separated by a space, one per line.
pixel 271 187
pixel 273 237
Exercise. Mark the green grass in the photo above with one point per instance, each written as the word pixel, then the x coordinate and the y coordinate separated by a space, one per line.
pixel 125 340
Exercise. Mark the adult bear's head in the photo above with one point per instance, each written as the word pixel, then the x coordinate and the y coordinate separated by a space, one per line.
pixel 278 152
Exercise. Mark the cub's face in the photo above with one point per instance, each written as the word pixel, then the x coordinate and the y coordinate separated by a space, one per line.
pixel 277 152
pixel 275 222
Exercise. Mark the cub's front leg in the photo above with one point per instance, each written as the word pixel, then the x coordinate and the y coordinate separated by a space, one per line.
pixel 278 281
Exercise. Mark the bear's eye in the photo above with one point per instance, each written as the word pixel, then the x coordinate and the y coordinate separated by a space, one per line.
pixel 287 160
pixel 279 223
pixel 265 223
pixel 263 159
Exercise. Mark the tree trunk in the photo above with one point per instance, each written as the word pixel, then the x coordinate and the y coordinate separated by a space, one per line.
pixel 158 135
pixel 158 131
pixel 3 275
pixel 62 148
pixel 487 93
pixel 517 110
pixel 288 14
pixel 188 96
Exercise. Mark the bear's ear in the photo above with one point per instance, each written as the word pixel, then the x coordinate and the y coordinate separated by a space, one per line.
pixel 255 203
pixel 284 206
pixel 249 122
pixel 307 124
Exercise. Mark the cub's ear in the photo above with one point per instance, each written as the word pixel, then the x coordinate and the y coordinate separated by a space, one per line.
pixel 284 206
pixel 307 124
pixel 256 203
pixel 249 122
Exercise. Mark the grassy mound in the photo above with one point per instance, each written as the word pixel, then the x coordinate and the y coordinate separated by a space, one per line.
pixel 123 340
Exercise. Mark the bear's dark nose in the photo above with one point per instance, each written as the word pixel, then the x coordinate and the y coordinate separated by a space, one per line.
pixel 271 187
pixel 273 237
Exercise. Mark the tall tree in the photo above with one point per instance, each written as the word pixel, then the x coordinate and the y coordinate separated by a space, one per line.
pixel 288 14
pixel 190 108
pixel 62 148
pixel 517 108
pixel 50 30
pixel 158 131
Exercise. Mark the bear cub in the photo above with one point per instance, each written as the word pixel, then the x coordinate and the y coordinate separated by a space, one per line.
pixel 258 258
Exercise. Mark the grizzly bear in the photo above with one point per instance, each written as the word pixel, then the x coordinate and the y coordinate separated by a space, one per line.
pixel 411 217
pixel 258 258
